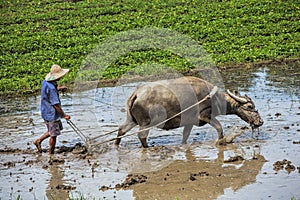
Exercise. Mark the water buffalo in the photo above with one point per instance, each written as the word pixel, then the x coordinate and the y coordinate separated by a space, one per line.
pixel 155 102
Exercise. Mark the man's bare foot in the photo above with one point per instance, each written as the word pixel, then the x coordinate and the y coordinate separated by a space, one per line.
pixel 38 146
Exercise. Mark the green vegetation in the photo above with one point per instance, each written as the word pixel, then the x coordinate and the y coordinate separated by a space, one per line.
pixel 36 34
pixel 293 198
pixel 81 197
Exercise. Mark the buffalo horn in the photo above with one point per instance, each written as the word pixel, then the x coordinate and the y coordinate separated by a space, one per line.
pixel 240 99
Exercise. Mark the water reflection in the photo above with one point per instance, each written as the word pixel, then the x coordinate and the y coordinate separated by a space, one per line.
pixel 56 188
pixel 283 78
pixel 194 178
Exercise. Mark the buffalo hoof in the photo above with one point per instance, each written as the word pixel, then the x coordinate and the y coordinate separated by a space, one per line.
pixel 117 142
pixel 144 142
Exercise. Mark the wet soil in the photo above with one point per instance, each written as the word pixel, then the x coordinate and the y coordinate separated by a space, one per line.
pixel 197 179
pixel 264 164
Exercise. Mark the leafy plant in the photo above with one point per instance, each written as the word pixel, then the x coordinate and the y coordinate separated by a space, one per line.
pixel 36 34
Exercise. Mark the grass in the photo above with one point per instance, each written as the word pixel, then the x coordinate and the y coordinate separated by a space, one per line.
pixel 293 198
pixel 36 34
pixel 81 197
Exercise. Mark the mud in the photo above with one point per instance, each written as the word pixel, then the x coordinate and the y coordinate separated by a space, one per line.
pixel 263 165
pixel 284 165
pixel 197 180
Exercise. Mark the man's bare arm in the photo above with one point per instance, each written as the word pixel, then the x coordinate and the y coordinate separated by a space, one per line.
pixel 61 112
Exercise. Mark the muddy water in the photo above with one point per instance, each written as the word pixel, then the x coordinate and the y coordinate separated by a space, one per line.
pixel 168 170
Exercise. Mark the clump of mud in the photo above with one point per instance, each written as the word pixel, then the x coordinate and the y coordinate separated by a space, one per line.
pixel 9 164
pixel 132 180
pixel 284 165
pixel 55 160
pixel 77 149
pixel 65 187
pixel 129 181
pixel 234 159
pixel 9 150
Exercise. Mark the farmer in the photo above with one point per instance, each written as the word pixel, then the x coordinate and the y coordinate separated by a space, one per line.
pixel 51 108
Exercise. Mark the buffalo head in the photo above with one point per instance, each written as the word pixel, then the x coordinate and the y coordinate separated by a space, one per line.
pixel 244 107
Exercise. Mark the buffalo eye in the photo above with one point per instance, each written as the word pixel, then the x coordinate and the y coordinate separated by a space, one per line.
pixel 250 107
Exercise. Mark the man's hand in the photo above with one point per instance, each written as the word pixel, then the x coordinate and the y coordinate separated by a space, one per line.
pixel 67 117
pixel 62 88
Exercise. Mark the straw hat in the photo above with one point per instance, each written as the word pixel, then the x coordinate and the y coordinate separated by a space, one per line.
pixel 56 72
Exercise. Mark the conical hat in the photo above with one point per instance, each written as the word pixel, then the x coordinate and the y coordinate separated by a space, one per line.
pixel 56 72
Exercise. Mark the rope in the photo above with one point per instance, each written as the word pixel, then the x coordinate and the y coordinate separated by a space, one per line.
pixel 213 92
pixel 104 134
pixel 94 99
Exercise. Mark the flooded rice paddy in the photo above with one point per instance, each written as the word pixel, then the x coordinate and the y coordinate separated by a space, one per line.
pixel 264 165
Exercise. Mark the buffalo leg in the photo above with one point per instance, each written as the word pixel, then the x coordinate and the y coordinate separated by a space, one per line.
pixel 186 133
pixel 214 123
pixel 123 129
pixel 143 137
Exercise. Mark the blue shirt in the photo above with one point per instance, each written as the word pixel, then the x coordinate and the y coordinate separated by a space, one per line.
pixel 49 97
